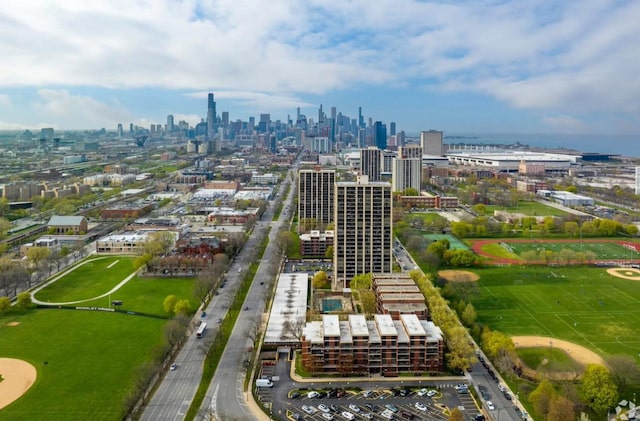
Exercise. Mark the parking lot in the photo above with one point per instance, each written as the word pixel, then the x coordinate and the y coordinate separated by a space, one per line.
pixel 383 405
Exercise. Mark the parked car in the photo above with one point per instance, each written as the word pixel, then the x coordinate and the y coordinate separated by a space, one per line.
pixel 295 395
pixel 421 406
pixel 309 409
pixel 327 416
pixel 324 408
pixel 348 415
pixel 391 407
pixel 490 406
pixel 312 395
pixel 355 408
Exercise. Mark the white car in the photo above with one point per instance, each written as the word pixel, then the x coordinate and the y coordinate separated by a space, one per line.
pixel 490 406
pixel 348 415
pixel 309 409
pixel 423 392
pixel 421 406
pixel 324 408
pixel 368 415
pixel 354 408
pixel 431 393
pixel 313 394
pixel 173 367
pixel 327 416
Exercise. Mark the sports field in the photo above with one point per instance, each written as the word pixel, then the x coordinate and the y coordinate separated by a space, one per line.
pixel 584 305
pixel 613 250
pixel 88 361
pixel 453 240
pixel 511 251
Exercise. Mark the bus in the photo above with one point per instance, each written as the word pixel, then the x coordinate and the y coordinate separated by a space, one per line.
pixel 201 329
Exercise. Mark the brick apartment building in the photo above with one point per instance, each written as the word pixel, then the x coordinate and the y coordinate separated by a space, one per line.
pixel 379 346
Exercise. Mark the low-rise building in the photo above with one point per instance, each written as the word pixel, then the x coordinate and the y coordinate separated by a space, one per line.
pixel 131 242
pixel 380 346
pixel 68 224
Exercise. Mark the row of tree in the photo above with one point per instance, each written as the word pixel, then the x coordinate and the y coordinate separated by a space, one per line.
pixel 461 352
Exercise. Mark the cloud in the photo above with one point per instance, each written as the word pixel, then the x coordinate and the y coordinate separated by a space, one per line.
pixel 564 58
pixel 73 111
pixel 257 101
pixel 565 124
pixel 5 100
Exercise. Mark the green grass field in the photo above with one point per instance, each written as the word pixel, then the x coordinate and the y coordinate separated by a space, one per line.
pixel 528 208
pixel 91 278
pixel 91 361
pixel 584 305
pixel 601 249
pixel 553 359
pixel 93 357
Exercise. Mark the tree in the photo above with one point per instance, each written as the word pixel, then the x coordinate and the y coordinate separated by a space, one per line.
pixel 159 243
pixel 182 307
pixel 368 301
pixel 456 415
pixel 561 409
pixel 294 329
pixel 23 300
pixel 320 280
pixel 598 389
pixel 36 255
pixel 169 303
pixel 624 371
pixel 5 304
pixel 542 396
pixel 495 343
pixel 469 315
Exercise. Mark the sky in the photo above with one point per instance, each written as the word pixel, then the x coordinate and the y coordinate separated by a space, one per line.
pixel 492 66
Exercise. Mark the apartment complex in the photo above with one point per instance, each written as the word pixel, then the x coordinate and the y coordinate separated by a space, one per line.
pixel 363 237
pixel 397 294
pixel 371 163
pixel 406 173
pixel 379 346
pixel 315 198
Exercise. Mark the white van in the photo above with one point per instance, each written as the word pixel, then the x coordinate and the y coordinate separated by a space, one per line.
pixel 264 383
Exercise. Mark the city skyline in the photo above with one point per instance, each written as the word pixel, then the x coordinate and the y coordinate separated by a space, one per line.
pixel 503 67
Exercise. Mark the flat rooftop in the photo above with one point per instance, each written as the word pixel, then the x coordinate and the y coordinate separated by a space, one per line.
pixel 289 308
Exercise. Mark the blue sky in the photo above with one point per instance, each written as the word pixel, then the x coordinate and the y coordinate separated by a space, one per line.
pixel 535 66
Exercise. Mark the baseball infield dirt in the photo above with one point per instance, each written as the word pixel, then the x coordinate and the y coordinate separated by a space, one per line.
pixel 18 376
pixel 579 353
pixel 632 274
pixel 458 275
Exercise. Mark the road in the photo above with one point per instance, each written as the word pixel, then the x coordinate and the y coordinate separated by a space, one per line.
pixel 225 397
pixel 174 394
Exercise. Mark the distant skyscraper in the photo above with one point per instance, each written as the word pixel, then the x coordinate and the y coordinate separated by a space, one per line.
pixel 211 116
pixel 371 163
pixel 380 135
pixel 170 123
pixel 315 199
pixel 225 118
pixel 120 131
pixel 363 230
pixel 400 138
pixel 637 180
pixel 392 128
pixel 431 142
pixel 360 119
pixel 130 127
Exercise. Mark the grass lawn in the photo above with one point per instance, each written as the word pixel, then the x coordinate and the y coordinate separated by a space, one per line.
pixel 528 208
pixel 601 249
pixel 580 304
pixel 92 358
pixel 147 294
pixel 90 278
pixel 554 359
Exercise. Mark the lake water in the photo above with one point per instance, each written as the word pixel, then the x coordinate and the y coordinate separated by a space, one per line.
pixel 608 144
